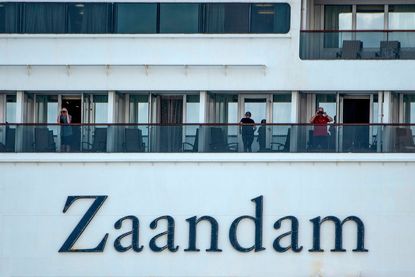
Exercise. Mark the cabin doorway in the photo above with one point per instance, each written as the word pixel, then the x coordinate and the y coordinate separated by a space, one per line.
pixel 356 117
pixel 74 108
pixel 73 105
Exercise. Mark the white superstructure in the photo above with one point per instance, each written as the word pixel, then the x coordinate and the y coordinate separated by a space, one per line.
pixel 156 91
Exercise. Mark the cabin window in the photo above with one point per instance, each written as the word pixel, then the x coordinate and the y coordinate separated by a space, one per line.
pixel 179 18
pixel 270 18
pixel 89 18
pixel 9 17
pixel 44 18
pixel 133 18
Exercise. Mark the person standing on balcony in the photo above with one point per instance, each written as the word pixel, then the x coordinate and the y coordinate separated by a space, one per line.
pixel 320 134
pixel 65 119
pixel 262 135
pixel 247 130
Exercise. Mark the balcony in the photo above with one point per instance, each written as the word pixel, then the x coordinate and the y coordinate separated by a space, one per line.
pixel 357 45
pixel 232 138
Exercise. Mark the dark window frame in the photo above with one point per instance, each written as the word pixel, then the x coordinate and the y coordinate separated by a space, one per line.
pixel 112 17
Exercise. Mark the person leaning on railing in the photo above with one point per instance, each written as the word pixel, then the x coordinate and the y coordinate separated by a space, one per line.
pixel 65 119
pixel 247 130
pixel 320 134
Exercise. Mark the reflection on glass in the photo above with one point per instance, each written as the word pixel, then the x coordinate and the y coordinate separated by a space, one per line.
pixel 139 107
pixel 138 18
pixel 409 108
pixel 192 108
pixel 226 108
pixel 281 113
pixel 179 18
pixel 370 18
pixel 337 17
pixel 375 119
pixel 139 111
pixel 281 108
pixel 257 107
pixel 192 116
pixel 101 108
pixel 52 112
pixel 402 17
pixel 46 108
pixel 226 111
pixel 11 108
pixel 375 110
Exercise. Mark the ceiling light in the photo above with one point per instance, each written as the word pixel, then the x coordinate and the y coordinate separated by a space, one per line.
pixel 265 12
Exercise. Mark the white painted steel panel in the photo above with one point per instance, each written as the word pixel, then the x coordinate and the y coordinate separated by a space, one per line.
pixel 33 226
pixel 88 57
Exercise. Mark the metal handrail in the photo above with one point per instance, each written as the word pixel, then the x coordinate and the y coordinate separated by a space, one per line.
pixel 357 31
pixel 208 124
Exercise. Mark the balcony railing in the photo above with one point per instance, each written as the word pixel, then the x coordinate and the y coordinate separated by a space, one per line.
pixel 155 138
pixel 374 44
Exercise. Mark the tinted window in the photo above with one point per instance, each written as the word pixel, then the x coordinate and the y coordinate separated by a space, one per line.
pixel 89 18
pixel 179 18
pixel 270 18
pixel 136 18
pixel 44 18
pixel 226 18
pixel 236 18
pixel 2 19
pixel 9 17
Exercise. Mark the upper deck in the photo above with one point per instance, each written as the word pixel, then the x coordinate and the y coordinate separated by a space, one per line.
pixel 250 54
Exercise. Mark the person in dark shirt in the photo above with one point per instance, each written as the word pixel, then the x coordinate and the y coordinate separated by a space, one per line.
pixel 262 135
pixel 247 131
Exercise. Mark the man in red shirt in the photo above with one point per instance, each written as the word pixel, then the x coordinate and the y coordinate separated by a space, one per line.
pixel 320 120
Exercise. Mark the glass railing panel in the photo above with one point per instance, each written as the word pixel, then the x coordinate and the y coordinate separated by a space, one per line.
pixel 370 40
pixel 208 138
pixel 224 138
pixel 131 138
pixel 7 138
pixel 280 138
pixel 357 44
pixel 94 138
pixel 407 43
pixel 191 138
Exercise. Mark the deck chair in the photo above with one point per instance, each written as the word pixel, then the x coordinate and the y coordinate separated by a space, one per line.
pixel 351 49
pixel 99 143
pixel 282 147
pixel 389 50
pixel 404 141
pixel 44 141
pixel 192 147
pixel 133 140
pixel 218 141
